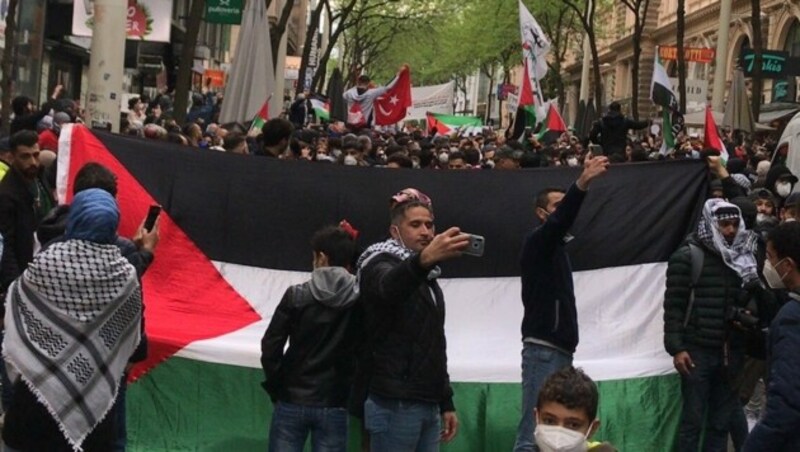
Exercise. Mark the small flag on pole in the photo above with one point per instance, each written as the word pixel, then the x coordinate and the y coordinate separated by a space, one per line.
pixel 262 116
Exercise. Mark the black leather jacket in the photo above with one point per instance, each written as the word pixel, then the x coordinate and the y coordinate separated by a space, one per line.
pixel 321 321
pixel 404 315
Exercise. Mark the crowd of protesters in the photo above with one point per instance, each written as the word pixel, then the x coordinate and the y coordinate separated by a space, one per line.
pixel 750 197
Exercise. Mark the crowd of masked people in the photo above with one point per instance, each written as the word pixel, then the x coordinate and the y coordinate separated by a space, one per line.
pixel 366 333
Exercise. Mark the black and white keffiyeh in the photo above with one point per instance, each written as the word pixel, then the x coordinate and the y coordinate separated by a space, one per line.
pixel 72 321
pixel 393 247
pixel 740 255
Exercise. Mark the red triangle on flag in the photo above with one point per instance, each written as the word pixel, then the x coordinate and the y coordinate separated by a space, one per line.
pixel 711 138
pixel 186 299
pixel 526 94
pixel 555 123
pixel 441 128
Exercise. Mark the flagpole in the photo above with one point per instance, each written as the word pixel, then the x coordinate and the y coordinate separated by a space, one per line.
pixel 587 61
pixel 720 65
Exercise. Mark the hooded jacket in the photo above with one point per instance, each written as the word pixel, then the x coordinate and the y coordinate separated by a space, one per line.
pixel 321 323
pixel 776 172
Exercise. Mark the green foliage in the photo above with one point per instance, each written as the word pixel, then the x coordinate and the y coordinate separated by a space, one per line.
pixel 454 39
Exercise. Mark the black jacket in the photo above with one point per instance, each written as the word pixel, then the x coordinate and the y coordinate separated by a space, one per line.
pixel 321 321
pixel 18 222
pixel 548 293
pixel 298 112
pixel 405 328
pixel 29 121
pixel 717 289
pixel 29 426
pixel 611 132
pixel 777 429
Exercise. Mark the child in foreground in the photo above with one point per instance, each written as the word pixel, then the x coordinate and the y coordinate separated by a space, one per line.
pixel 566 413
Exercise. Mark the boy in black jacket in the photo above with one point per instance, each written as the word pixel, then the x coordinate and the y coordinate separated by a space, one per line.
pixel 309 383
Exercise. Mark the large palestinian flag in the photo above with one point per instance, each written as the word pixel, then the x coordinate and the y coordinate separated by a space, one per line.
pixel 234 236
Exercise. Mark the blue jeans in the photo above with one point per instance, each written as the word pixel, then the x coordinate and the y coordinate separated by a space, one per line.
pixel 291 425
pixel 708 397
pixel 538 363
pixel 402 425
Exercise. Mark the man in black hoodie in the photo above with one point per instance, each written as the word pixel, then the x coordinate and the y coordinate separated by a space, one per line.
pixel 309 383
pixel 611 131
pixel 550 324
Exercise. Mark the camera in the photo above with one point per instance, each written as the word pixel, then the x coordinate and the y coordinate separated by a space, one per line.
pixel 745 316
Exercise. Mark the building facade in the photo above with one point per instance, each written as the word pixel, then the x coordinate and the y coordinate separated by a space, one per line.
pixel 780 24
pixel 48 54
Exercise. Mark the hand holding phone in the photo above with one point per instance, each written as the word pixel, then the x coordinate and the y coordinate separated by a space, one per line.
pixel 152 216
pixel 476 245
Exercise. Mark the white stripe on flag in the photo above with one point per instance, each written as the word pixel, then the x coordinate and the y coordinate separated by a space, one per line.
pixel 619 309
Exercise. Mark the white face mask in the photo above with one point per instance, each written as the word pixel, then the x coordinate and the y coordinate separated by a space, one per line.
pixel 350 160
pixel 783 189
pixel 774 279
pixel 761 218
pixel 443 157
pixel 553 438
pixel 572 161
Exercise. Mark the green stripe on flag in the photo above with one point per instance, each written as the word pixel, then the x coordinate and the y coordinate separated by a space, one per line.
pixel 456 121
pixel 185 404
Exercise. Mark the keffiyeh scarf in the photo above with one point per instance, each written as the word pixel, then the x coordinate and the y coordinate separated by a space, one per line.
pixel 740 255
pixel 394 248
pixel 72 321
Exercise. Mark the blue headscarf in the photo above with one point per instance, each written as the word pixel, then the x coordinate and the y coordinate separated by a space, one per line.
pixel 93 216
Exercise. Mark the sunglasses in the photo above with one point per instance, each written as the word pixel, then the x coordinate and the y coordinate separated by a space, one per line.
pixel 408 195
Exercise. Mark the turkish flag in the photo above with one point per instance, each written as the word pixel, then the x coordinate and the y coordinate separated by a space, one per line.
pixel 392 107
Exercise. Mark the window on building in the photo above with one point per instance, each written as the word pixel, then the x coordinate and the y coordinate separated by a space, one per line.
pixel 793 39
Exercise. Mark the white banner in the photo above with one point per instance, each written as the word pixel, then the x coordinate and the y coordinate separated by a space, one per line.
pixel 147 20
pixel 617 342
pixel 434 99
pixel 696 94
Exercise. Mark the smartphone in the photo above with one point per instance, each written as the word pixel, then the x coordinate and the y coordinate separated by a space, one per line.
pixel 152 215
pixel 476 245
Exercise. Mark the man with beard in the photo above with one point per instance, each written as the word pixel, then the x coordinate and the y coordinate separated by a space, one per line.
pixel 410 402
pixel 708 280
pixel 25 198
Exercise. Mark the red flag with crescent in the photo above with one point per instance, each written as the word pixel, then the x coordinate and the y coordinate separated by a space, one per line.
pixel 392 107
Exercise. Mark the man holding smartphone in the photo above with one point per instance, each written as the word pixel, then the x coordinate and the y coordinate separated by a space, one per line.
pixel 410 401
pixel 550 323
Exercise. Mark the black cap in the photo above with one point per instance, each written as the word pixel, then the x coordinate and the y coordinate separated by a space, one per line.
pixel 789 177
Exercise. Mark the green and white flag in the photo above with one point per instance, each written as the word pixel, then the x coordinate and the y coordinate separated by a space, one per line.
pixel 662 94
pixel 322 108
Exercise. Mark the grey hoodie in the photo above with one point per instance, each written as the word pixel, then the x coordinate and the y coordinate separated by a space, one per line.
pixel 333 287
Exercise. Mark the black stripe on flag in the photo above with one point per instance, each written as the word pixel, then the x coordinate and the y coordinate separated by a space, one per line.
pixel 261 212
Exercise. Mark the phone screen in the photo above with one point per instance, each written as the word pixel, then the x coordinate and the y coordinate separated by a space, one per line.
pixel 152 215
